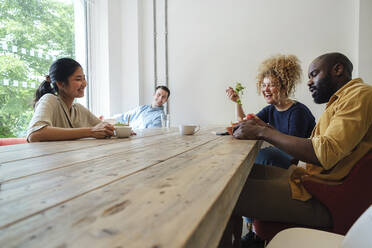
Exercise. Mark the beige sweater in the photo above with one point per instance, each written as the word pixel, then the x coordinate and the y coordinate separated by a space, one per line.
pixel 52 111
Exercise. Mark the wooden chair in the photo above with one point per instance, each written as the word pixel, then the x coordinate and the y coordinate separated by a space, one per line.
pixel 345 202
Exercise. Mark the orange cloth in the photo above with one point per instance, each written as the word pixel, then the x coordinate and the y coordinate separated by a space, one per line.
pixel 342 136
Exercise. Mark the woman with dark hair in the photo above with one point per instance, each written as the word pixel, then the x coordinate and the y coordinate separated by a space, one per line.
pixel 56 116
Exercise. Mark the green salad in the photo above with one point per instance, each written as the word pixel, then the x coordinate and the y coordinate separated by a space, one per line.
pixel 239 90
pixel 120 124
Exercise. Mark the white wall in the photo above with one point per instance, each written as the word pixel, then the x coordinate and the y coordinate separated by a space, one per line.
pixel 115 56
pixel 115 53
pixel 213 43
pixel 365 41
pixel 80 40
pixel 99 71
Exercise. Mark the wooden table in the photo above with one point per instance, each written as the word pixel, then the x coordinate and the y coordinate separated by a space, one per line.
pixel 158 189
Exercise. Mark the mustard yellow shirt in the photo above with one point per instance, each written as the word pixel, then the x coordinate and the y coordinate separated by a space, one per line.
pixel 342 136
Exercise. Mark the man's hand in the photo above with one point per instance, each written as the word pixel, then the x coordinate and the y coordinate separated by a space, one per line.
pixel 249 129
pixel 256 129
pixel 102 130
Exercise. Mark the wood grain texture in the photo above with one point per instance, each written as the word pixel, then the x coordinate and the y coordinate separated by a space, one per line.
pixel 54 157
pixel 31 150
pixel 163 191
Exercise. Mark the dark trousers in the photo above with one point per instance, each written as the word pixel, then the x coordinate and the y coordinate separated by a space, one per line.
pixel 266 196
pixel 275 157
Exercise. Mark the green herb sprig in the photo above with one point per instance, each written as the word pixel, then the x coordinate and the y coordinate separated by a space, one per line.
pixel 239 90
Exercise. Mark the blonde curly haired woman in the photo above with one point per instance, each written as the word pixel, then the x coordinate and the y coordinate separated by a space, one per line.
pixel 277 78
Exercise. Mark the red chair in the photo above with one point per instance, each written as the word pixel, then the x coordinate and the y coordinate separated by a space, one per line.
pixel 12 141
pixel 346 201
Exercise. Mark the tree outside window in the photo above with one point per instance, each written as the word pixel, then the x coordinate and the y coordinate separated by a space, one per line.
pixel 33 33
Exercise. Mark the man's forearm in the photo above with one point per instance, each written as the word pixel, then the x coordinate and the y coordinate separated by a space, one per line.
pixel 299 148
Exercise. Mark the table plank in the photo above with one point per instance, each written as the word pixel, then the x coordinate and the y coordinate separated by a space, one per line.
pixel 168 208
pixel 17 197
pixel 31 150
pixel 34 165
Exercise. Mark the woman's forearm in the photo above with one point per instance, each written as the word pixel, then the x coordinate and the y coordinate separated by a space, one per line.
pixel 55 133
pixel 239 112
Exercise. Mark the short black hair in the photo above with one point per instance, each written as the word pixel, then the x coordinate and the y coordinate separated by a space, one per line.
pixel 334 58
pixel 163 88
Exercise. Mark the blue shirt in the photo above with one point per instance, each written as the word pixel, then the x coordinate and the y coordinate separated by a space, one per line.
pixel 296 121
pixel 144 116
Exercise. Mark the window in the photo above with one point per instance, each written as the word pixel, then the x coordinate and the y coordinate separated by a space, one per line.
pixel 32 35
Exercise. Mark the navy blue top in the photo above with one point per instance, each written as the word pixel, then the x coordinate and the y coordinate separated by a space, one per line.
pixel 295 121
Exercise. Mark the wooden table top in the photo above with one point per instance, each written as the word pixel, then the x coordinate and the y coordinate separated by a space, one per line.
pixel 157 189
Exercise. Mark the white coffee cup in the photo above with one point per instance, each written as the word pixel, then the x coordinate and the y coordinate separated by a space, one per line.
pixel 189 129
pixel 122 131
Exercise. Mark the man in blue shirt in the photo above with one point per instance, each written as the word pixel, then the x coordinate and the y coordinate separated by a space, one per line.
pixel 147 116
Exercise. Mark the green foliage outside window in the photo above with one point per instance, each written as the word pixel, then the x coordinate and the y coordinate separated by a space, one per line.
pixel 34 25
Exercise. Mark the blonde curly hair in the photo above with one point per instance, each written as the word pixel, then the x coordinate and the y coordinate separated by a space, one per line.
pixel 284 69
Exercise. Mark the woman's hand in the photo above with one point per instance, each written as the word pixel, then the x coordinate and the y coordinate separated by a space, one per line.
pixel 102 130
pixel 232 95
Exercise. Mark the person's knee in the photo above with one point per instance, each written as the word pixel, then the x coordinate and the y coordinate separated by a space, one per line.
pixel 274 157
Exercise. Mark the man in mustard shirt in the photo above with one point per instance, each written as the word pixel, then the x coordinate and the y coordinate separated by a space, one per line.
pixel 342 136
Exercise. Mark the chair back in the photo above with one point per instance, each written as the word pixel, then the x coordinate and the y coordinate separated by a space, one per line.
pixel 360 234
pixel 347 201
pixel 12 141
